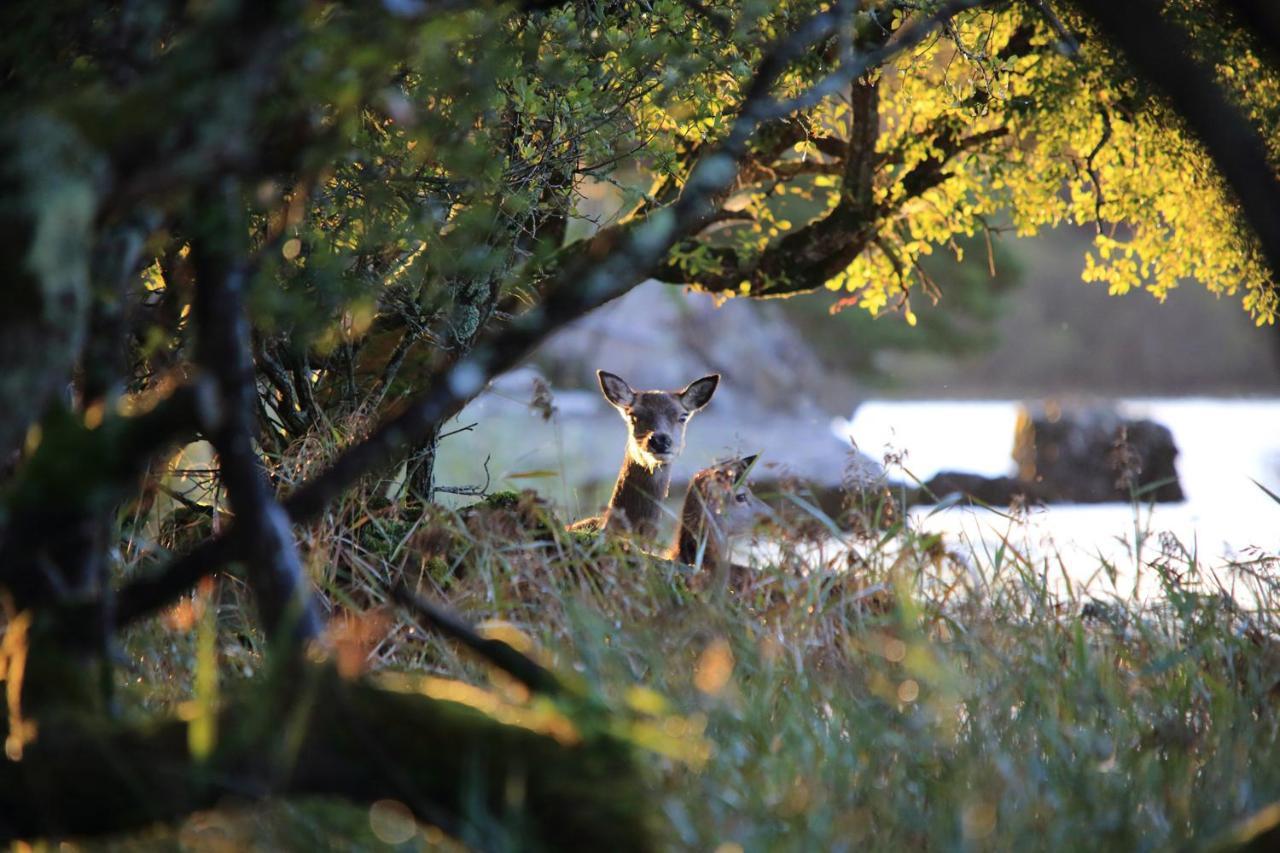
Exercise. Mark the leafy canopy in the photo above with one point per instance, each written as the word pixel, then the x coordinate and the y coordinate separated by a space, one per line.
pixel 414 175
pixel 991 124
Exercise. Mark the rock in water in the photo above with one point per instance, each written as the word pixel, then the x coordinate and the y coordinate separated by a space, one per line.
pixel 1090 455
pixel 1094 455
pixel 996 491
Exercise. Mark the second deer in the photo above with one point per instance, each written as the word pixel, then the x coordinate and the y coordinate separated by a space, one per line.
pixel 718 506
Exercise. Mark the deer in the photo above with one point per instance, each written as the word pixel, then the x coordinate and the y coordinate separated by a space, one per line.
pixel 718 506
pixel 656 423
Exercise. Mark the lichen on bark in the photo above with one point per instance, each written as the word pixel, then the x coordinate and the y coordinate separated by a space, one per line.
pixel 49 187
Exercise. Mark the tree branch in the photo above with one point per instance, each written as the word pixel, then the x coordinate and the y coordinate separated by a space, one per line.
pixel 805 259
pixel 223 352
pixel 68 480
pixel 453 766
pixel 516 664
pixel 288 408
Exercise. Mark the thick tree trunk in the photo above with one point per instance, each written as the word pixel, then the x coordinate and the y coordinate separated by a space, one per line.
pixel 48 186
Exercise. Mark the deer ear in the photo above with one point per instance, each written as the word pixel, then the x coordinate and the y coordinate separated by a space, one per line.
pixel 699 391
pixel 742 467
pixel 615 389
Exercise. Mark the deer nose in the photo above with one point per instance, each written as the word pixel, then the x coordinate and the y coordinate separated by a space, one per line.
pixel 659 442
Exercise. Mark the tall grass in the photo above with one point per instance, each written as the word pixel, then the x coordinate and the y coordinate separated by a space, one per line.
pixel 881 689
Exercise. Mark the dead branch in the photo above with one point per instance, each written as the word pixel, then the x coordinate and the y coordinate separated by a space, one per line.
pixel 516 664
pixel 223 352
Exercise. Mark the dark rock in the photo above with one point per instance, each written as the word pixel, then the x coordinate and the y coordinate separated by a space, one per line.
pixel 1086 456
pixel 997 491
pixel 1094 456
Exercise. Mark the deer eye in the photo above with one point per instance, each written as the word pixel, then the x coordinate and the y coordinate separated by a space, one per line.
pixel 741 497
pixel 683 418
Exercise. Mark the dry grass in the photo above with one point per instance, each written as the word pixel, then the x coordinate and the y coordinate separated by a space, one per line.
pixel 882 689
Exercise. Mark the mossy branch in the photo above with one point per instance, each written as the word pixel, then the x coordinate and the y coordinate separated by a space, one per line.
pixel 488 782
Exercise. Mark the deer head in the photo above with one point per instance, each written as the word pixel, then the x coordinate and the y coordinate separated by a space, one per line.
pixel 724 499
pixel 718 507
pixel 656 420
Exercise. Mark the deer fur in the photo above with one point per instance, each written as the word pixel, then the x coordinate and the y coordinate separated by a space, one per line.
pixel 656 423
pixel 718 506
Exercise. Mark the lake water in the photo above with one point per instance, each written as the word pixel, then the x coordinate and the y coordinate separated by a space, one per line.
pixel 1224 446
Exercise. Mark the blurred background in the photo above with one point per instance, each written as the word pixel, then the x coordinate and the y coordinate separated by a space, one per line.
pixel 1015 326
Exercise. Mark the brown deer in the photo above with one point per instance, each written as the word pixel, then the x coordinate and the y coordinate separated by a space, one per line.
pixel 718 506
pixel 656 421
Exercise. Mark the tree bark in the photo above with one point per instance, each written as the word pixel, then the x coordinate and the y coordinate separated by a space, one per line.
pixel 48 184
pixel 421 467
pixel 223 352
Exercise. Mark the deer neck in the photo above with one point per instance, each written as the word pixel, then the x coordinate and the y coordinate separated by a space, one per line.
pixel 698 535
pixel 637 498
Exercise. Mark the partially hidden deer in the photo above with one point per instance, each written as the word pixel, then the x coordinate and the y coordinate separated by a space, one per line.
pixel 718 507
pixel 656 422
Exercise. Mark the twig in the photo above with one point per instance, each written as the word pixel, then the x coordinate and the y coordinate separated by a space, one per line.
pixel 1069 44
pixel 471 491
pixel 1098 198
pixel 393 367
pixel 186 502
pixel 467 428
pixel 523 668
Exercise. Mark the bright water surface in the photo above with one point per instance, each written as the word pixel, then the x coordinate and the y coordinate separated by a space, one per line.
pixel 1224 445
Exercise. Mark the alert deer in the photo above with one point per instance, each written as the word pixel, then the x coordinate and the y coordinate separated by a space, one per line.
pixel 656 421
pixel 718 506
